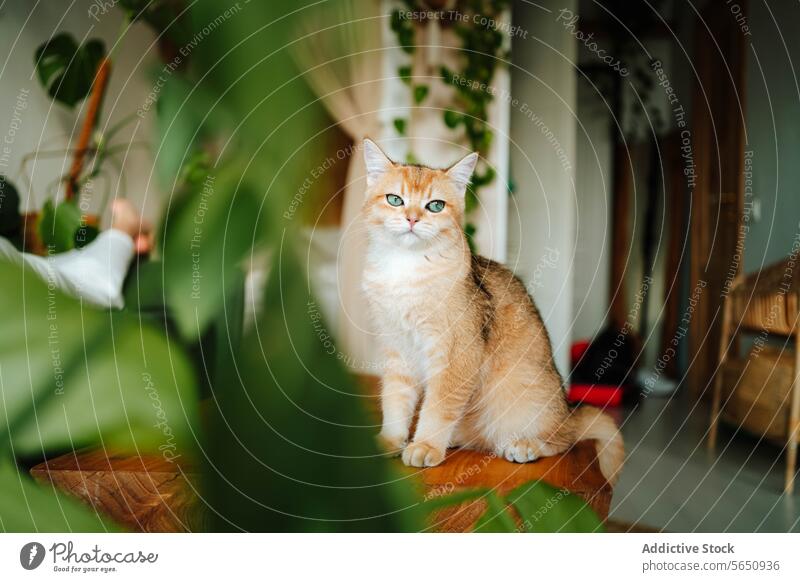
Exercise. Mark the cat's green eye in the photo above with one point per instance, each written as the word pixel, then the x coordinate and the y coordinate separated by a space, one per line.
pixel 394 200
pixel 435 205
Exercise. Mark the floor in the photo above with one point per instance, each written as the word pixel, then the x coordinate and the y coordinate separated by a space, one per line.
pixel 672 483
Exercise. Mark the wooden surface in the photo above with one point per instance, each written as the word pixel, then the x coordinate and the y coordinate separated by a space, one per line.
pixel 146 494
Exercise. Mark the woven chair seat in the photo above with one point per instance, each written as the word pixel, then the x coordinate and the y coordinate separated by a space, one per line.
pixel 769 299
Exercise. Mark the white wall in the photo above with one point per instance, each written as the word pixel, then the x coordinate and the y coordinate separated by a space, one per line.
pixel 40 124
pixel 542 212
pixel 593 181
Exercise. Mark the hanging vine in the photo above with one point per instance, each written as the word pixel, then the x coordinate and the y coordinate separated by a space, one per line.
pixel 483 48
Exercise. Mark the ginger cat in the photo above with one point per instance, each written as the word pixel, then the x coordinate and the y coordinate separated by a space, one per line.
pixel 460 332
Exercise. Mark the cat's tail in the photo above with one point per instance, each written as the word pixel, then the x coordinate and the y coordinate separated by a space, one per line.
pixel 588 422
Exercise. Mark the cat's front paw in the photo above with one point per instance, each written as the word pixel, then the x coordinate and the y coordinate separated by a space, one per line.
pixel 422 455
pixel 521 451
pixel 392 445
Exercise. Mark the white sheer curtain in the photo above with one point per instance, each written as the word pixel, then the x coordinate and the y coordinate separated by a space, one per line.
pixel 343 60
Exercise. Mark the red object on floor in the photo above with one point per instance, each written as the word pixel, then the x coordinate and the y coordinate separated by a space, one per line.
pixel 600 395
pixel 578 349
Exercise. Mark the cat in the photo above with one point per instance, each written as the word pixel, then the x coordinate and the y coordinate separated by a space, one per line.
pixel 459 332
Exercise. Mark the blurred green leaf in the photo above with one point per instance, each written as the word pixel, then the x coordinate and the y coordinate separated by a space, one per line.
pixel 28 507
pixel 405 74
pixel 470 199
pixel 58 225
pixel 301 454
pixel 206 239
pixel 496 518
pixel 420 92
pixel 479 180
pixel 66 69
pixel 187 115
pixel 543 508
pixel 400 125
pixel 166 17
pixel 82 376
pixel 452 118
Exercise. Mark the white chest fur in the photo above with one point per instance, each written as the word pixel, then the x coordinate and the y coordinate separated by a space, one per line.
pixel 408 295
pixel 397 285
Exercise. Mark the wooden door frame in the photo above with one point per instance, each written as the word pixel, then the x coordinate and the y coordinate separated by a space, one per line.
pixel 717 142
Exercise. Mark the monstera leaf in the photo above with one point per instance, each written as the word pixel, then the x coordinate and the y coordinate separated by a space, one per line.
pixel 67 69
pixel 73 377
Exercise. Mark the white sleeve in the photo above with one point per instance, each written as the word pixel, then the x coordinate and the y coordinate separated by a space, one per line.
pixel 94 273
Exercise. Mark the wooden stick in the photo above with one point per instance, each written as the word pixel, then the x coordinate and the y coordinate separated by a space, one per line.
pixel 92 112
pixel 724 339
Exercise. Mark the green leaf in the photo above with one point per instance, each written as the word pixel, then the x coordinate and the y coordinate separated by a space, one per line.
pixel 82 376
pixel 452 118
pixel 405 74
pixel 27 507
pixel 207 236
pixel 420 92
pixel 470 199
pixel 58 226
pixel 496 518
pixel 479 180
pixel 404 30
pixel 301 455
pixel 400 125
pixel 543 508
pixel 67 70
pixel 168 19
pixel 447 75
pixel 186 116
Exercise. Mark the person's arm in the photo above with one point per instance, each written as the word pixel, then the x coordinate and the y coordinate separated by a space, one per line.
pixel 96 272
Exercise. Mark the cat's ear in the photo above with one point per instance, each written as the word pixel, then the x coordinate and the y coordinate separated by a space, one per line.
pixel 461 171
pixel 377 162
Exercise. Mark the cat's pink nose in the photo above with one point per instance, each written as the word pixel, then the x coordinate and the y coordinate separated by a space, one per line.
pixel 412 221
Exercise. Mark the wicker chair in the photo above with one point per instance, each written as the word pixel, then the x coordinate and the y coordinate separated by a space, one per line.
pixel 766 302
